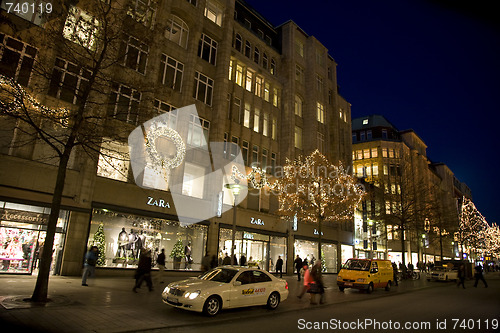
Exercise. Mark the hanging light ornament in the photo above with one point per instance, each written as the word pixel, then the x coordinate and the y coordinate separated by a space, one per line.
pixel 258 184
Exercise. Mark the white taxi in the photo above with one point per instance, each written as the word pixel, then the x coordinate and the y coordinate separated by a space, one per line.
pixel 226 287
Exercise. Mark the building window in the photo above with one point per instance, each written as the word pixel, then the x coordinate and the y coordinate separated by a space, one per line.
pixel 276 97
pixel 81 28
pixel 214 12
pixel 366 153
pixel 16 59
pixel 237 110
pixel 298 137
pixel 249 80
pixel 256 55
pixel 238 42
pixel 299 47
pixel 320 112
pixel 368 135
pixel 265 124
pixel 298 106
pixel 68 81
pixel 203 88
pixel 207 49
pixel 193 181
pixel 248 24
pixel 246 116
pixel 384 134
pixel 384 152
pixel 258 85
pixel 265 63
pixel 274 129
pixel 231 62
pixel 244 150
pixel 198 131
pixel 143 11
pixel 375 169
pixel 177 31
pixel 134 54
pixel 362 136
pixel 168 111
pixel 319 83
pixel 321 143
pixel 354 138
pixel 113 160
pixel 33 16
pixel 239 75
pixel 273 67
pixel 256 120
pixel 255 155
pixel 299 74
pixel 267 89
pixel 263 163
pixel 193 2
pixel 248 49
pixel 170 73
pixel 125 103
pixel 374 152
pixel 234 147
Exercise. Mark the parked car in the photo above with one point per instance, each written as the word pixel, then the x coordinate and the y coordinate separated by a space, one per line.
pixel 443 273
pixel 226 287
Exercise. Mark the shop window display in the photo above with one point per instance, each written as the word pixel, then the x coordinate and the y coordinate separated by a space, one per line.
pixel 254 248
pixel 22 238
pixel 122 237
pixel 309 250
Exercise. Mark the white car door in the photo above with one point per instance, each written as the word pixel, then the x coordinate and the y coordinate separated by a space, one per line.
pixel 243 290
pixel 263 287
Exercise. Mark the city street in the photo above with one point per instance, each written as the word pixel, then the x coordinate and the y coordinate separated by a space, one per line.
pixel 109 305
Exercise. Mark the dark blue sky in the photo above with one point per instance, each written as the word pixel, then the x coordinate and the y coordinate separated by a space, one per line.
pixel 432 66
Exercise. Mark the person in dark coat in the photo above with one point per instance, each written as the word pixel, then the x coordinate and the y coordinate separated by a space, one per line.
pixel 243 260
pixel 317 276
pixel 461 276
pixel 279 266
pixel 160 261
pixel 479 276
pixel 395 273
pixel 298 266
pixel 143 271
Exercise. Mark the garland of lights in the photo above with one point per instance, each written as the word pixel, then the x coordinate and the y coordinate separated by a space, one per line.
pixel 20 96
pixel 159 160
pixel 251 177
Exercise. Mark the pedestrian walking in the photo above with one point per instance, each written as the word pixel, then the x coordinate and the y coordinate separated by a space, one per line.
pixel 89 264
pixel 160 262
pixel 461 276
pixel 227 260
pixel 298 266
pixel 318 287
pixel 143 271
pixel 479 276
pixel 243 260
pixel 279 266
pixel 307 281
pixel 205 262
pixel 395 273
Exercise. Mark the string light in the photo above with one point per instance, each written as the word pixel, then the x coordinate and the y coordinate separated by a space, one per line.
pixel 19 99
pixel 261 183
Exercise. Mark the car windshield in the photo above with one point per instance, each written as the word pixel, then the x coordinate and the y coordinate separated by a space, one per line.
pixel 357 265
pixel 219 275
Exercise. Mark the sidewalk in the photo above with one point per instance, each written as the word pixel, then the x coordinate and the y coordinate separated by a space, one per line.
pixel 109 305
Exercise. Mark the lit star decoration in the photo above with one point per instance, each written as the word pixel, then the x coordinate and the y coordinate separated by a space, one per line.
pixel 161 162
pixel 18 99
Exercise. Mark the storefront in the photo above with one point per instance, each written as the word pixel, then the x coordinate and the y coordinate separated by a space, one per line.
pixel 308 249
pixel 122 236
pixel 22 237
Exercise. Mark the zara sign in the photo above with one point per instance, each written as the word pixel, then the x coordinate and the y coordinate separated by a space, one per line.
pixel 158 203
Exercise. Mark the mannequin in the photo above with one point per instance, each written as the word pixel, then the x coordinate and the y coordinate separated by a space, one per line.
pixel 140 243
pixel 132 238
pixel 122 243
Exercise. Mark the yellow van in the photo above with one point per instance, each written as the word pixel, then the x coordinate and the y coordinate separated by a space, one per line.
pixel 366 274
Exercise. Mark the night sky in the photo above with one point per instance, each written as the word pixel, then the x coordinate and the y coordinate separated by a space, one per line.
pixel 432 66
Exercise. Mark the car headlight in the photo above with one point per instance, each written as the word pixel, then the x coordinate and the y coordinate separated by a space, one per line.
pixel 193 294
pixel 360 280
pixel 339 277
pixel 166 290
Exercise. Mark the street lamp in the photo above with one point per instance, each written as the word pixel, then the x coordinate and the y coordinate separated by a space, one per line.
pixel 235 188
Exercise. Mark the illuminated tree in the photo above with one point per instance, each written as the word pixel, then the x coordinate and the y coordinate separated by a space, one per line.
pixel 314 190
pixel 492 240
pixel 100 242
pixel 471 228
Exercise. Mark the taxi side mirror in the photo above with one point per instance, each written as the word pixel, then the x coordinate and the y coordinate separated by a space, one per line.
pixel 237 283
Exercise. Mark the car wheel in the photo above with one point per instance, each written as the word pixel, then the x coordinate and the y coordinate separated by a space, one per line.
pixel 370 288
pixel 212 306
pixel 273 301
pixel 341 288
pixel 388 286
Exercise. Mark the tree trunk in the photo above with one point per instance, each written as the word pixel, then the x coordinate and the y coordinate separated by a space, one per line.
pixel 42 281
pixel 403 261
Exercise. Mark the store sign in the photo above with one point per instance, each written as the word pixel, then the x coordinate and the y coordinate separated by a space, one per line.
pixel 316 232
pixel 23 216
pixel 253 220
pixel 158 202
pixel 247 235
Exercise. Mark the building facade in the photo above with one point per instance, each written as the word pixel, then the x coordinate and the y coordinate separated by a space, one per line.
pixel 411 202
pixel 271 91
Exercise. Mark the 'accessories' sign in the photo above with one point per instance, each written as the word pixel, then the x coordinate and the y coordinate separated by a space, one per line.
pixel 158 203
pixel 14 215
